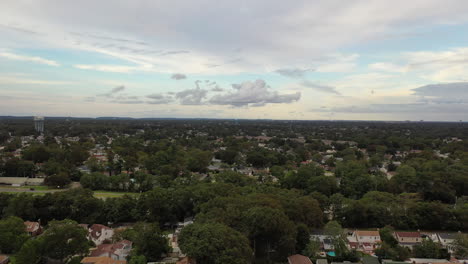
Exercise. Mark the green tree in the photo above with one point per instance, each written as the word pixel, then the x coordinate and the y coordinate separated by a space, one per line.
pixel 215 243
pixel 147 239
pixel 461 246
pixel 30 252
pixel 59 180
pixel 429 249
pixel 64 239
pixel 12 234
pixel 137 259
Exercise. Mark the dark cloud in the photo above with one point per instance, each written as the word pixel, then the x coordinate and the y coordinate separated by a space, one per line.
pixel 159 99
pixel 256 93
pixel 178 76
pixel 192 96
pixel 447 92
pixel 293 73
pixel 319 87
pixel 411 108
pixel 128 101
pixel 217 89
pixel 113 91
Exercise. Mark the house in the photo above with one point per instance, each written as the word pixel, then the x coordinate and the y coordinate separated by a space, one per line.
pixel 322 261
pixel 186 260
pixel 367 241
pixel 427 261
pixel 101 260
pixel 4 259
pixel 447 239
pixel 370 260
pixel 326 243
pixel 100 233
pixel 299 259
pixel 33 228
pixel 116 251
pixel 408 239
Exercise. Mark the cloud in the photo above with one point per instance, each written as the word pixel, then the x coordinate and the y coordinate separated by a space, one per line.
pixel 159 99
pixel 410 108
pixel 22 80
pixel 319 87
pixel 89 99
pixel 108 68
pixel 178 76
pixel 255 93
pixel 444 93
pixel 293 72
pixel 18 29
pixel 217 89
pixel 387 67
pixel 192 96
pixel 35 59
pixel 113 91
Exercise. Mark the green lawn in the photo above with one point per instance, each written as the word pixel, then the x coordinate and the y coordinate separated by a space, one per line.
pixel 36 187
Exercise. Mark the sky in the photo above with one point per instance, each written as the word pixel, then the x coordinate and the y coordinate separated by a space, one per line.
pixel 257 59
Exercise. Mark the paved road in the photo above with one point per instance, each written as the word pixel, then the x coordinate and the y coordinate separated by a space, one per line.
pixel 10 189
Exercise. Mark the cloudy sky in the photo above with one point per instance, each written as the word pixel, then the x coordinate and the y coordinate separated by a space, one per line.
pixel 323 59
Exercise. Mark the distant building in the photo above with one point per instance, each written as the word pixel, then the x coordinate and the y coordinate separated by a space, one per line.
pixel 39 124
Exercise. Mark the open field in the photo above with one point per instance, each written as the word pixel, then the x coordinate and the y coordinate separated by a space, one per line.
pixel 41 190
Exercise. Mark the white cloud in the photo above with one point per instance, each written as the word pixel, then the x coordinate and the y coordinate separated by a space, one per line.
pixel 35 59
pixel 22 80
pixel 387 67
pixel 256 93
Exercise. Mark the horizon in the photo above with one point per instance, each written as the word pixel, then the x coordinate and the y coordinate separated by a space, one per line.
pixel 236 119
pixel 259 60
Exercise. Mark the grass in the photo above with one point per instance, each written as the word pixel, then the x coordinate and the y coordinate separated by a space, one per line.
pixel 36 187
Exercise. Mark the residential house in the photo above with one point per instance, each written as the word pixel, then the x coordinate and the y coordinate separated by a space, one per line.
pixel 186 260
pixel 100 233
pixel 33 228
pixel 4 259
pixel 299 259
pixel 116 251
pixel 367 241
pixel 322 261
pixel 427 261
pixel 408 239
pixel 447 239
pixel 326 243
pixel 370 260
pixel 101 260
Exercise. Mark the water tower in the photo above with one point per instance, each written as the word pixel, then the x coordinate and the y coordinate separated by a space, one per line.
pixel 39 124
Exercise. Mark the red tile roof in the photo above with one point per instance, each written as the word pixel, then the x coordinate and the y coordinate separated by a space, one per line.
pixel 32 227
pixel 299 259
pixel 408 234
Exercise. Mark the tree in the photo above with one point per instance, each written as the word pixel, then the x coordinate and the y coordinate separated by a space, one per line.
pixel 461 246
pixel 12 234
pixel 302 237
pixel 59 180
pixel 312 248
pixel 270 230
pixel 386 235
pixel 137 259
pixel 64 239
pixel 147 239
pixel 429 249
pixel 215 243
pixel 30 252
